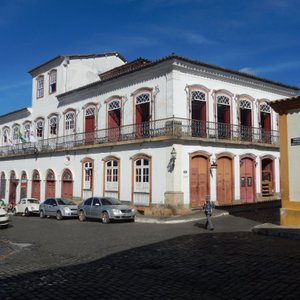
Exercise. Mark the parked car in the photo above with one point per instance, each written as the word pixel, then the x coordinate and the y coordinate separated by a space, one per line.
pixel 27 206
pixel 58 207
pixel 105 208
pixel 4 219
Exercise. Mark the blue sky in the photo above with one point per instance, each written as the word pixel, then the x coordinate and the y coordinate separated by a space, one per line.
pixel 258 36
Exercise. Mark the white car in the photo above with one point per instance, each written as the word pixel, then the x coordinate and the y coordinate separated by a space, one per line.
pixel 27 206
pixel 4 220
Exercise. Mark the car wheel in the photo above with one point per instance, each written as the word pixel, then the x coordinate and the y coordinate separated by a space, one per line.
pixel 82 216
pixel 105 218
pixel 26 213
pixel 59 215
pixel 42 215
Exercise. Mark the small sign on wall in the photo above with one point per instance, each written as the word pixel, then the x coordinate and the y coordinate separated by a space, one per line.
pixel 295 141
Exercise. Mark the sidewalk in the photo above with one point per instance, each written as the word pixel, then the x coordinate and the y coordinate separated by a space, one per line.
pixel 192 217
pixel 262 229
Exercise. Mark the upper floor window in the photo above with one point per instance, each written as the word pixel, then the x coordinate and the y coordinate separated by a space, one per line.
pixel 245 104
pixel 6 139
pixel 52 81
pixel 265 108
pixel 40 86
pixel 53 125
pixel 223 100
pixel 40 129
pixel 27 129
pixel 16 134
pixel 70 122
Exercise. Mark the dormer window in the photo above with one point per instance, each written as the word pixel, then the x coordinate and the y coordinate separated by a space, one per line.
pixel 40 87
pixel 52 81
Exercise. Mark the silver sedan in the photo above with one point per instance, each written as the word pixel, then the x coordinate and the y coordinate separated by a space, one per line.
pixel 58 207
pixel 105 208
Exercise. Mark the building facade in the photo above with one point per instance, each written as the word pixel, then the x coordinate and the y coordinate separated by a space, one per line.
pixel 168 132
pixel 289 115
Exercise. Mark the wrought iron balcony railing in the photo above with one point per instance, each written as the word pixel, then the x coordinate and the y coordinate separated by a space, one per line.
pixel 170 128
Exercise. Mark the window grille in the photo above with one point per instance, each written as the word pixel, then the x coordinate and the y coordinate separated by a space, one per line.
pixel 198 96
pixel 27 131
pixel 39 129
pixel 113 105
pixel 90 111
pixel 50 176
pixel 143 98
pixel 245 104
pixel 223 100
pixel 265 108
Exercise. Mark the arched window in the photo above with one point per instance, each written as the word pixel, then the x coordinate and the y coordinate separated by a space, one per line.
pixel 111 188
pixel 40 87
pixel 53 124
pixel 114 120
pixel 40 129
pixel 26 131
pixel 142 174
pixel 6 137
pixel 69 122
pixel 246 119
pixel 16 129
pixel 52 81
pixel 223 109
pixel 198 112
pixel 265 122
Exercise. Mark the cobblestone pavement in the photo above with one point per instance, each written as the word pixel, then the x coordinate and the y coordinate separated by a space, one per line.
pixel 147 261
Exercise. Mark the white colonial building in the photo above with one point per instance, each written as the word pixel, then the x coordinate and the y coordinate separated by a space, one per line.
pixel 167 132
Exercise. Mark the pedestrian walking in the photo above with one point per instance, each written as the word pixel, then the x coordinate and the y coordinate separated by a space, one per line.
pixel 207 207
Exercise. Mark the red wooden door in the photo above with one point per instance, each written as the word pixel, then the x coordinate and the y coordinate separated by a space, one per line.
pixel 89 129
pixel 142 119
pixel 198 118
pixel 266 127
pixel 12 192
pixel 36 189
pixel 224 181
pixel 50 189
pixel 67 189
pixel 247 182
pixel 199 184
pixel 114 122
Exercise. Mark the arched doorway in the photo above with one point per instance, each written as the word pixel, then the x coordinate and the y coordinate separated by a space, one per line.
pixel 3 186
pixel 36 185
pixel 13 182
pixel 265 122
pixel 90 121
pixel 24 182
pixel 267 177
pixel 224 180
pixel 247 180
pixel 199 179
pixel 223 117
pixel 246 120
pixel 50 184
pixel 198 105
pixel 114 120
pixel 142 114
pixel 67 184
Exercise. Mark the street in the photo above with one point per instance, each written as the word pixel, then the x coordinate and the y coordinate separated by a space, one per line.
pixel 50 259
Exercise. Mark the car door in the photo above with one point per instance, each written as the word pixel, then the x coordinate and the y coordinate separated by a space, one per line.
pixel 96 208
pixel 87 207
pixel 23 205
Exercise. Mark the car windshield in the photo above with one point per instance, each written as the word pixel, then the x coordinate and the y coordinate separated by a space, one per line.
pixel 33 201
pixel 110 201
pixel 63 201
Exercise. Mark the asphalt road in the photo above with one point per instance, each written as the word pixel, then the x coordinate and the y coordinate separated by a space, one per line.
pixel 50 259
